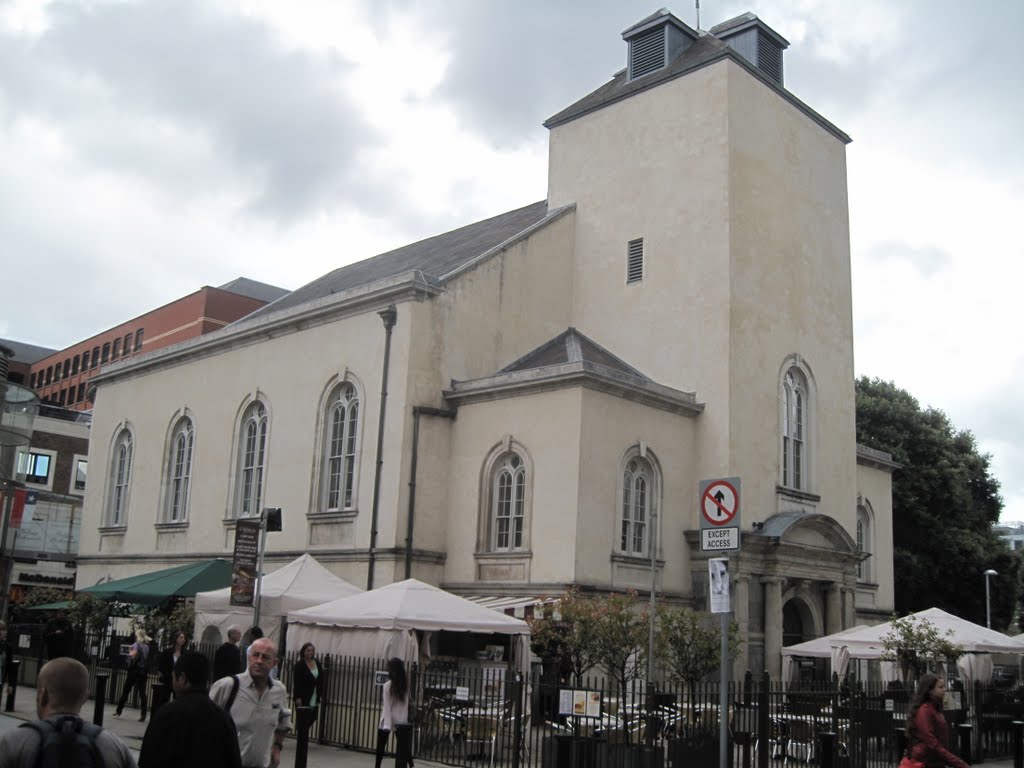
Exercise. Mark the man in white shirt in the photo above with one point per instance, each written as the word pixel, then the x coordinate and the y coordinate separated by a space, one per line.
pixel 259 707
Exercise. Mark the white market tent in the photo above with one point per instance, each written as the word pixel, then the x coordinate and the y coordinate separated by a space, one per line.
pixel 299 584
pixel 820 648
pixel 869 643
pixel 382 623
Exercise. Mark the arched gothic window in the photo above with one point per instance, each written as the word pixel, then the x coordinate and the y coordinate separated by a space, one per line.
pixel 341 437
pixel 508 494
pixel 638 505
pixel 179 471
pixel 120 479
pixel 252 457
pixel 795 429
pixel 865 544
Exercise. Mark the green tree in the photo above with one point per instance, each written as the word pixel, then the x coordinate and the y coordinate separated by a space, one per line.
pixel 165 620
pixel 945 502
pixel 621 632
pixel 691 645
pixel 566 632
pixel 916 645
pixel 44 596
pixel 92 614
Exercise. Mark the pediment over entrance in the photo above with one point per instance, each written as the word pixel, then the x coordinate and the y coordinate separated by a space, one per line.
pixel 813 530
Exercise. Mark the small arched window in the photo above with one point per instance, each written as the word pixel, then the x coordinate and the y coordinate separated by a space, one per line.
pixel 179 471
pixel 341 448
pixel 865 545
pixel 120 479
pixel 252 457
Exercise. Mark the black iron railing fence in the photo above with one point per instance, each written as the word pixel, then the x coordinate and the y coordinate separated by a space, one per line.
pixel 475 715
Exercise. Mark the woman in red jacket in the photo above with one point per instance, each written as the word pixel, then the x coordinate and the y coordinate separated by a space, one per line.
pixel 927 730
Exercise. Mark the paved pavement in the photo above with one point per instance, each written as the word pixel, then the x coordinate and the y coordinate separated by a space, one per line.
pixel 131 732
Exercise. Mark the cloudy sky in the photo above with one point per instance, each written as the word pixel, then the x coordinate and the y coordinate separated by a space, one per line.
pixel 150 148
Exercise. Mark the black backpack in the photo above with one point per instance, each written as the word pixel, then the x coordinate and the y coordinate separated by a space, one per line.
pixel 67 742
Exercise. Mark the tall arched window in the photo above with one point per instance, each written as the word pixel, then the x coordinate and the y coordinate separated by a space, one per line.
pixel 341 448
pixel 795 429
pixel 120 479
pixel 865 545
pixel 639 494
pixel 179 471
pixel 252 456
pixel 508 501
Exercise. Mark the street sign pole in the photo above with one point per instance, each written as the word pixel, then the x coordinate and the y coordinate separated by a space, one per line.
pixel 723 699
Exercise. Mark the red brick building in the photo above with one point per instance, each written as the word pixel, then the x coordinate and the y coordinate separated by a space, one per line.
pixel 62 378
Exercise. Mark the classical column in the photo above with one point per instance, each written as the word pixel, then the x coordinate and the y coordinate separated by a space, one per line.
pixel 773 626
pixel 834 608
pixel 741 614
pixel 850 605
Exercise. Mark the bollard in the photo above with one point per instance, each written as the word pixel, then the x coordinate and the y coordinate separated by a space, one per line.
pixel 13 688
pixel 826 749
pixel 1018 743
pixel 303 716
pixel 156 699
pixel 901 741
pixel 102 677
pixel 965 741
pixel 743 739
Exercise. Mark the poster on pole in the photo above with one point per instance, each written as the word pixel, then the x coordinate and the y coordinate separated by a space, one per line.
pixel 718 580
pixel 243 565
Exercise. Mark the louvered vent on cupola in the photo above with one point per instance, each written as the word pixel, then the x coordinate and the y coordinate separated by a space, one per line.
pixel 655 42
pixel 755 41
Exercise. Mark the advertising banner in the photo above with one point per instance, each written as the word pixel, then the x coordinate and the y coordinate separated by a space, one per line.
pixel 244 563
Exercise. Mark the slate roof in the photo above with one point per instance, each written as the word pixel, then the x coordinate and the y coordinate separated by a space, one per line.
pixel 435 257
pixel 571 346
pixel 573 359
pixel 254 289
pixel 26 353
pixel 706 50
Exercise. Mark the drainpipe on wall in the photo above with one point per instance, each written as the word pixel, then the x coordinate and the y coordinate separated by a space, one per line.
pixel 417 410
pixel 390 317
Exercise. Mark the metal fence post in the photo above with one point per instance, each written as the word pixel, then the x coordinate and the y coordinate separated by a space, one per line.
pixel 102 677
pixel 827 742
pixel 304 715
pixel 965 741
pixel 763 724
pixel 901 741
pixel 517 715
pixel 13 688
pixel 156 698
pixel 1018 744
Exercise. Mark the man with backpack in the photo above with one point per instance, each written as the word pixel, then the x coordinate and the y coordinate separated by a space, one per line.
pixel 60 737
pixel 190 731
pixel 258 705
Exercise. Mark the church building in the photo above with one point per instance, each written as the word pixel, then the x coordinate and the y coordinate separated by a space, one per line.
pixel 532 401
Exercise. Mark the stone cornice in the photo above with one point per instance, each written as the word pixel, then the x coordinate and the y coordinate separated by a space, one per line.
pixel 872 457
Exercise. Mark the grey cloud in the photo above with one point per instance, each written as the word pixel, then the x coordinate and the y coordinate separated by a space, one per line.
pixel 276 117
pixel 927 261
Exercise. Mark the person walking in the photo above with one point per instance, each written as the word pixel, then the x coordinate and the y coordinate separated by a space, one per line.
pixel 258 705
pixel 307 680
pixel 927 729
pixel 227 660
pixel 394 716
pixel 191 730
pixel 136 673
pixel 168 658
pixel 61 689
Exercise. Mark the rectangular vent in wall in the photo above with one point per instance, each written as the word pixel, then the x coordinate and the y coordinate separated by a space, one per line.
pixel 647 53
pixel 635 261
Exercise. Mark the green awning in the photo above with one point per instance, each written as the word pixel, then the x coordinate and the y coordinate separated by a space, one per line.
pixel 61 605
pixel 156 587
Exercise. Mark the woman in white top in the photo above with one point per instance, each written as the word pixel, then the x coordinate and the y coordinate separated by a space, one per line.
pixel 394 716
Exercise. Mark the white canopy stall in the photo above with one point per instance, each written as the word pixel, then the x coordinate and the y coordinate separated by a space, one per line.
pixel 820 648
pixel 382 623
pixel 299 584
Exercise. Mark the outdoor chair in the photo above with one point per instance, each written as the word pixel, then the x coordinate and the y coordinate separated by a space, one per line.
pixel 482 733
pixel 800 741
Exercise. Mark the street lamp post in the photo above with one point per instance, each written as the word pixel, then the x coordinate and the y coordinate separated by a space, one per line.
pixel 988 598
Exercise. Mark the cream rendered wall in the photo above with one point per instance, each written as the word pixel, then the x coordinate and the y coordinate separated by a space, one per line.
pixel 291 372
pixel 610 427
pixel 547 424
pixel 875 486
pixel 656 166
pixel 791 293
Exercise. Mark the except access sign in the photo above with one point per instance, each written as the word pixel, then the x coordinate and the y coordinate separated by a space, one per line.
pixel 719 502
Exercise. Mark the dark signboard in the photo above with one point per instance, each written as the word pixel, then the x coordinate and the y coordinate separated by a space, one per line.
pixel 243 567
